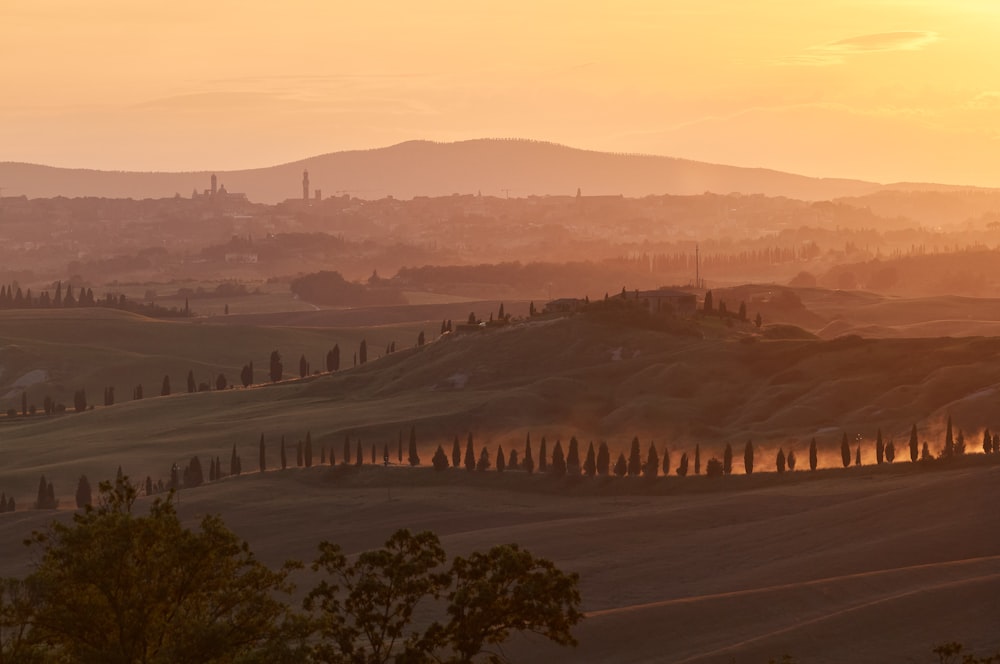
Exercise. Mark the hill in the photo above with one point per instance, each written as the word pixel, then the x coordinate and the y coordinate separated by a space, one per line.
pixel 423 168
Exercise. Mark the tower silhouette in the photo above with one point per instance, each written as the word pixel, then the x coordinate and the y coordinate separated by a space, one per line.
pixel 215 183
pixel 305 185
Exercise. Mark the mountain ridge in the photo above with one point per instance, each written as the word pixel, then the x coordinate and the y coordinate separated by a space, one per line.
pixel 497 167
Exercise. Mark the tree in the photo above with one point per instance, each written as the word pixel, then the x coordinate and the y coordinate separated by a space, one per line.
pixel 261 456
pixel 742 312
pixel 363 352
pixel 959 444
pixel 558 461
pixel 913 444
pixel 949 442
pixel 727 460
pixel 83 493
pixel 779 461
pixel 470 455
pixel 501 462
pixel 414 458
pixel 529 462
pixel 440 459
pixel 682 467
pixel 46 499
pixel 845 451
pixel 307 450
pixel 603 459
pixel 456 453
pixel 333 359
pixel 621 467
pixel 220 382
pixel 707 306
pixel 813 456
pixel 193 474
pixel 358 457
pixel 165 388
pixel 791 459
pixel 246 375
pixel 748 458
pixel 890 451
pixel 275 367
pixel 484 460
pixel 879 448
pixel 115 587
pixel 714 468
pixel 284 454
pixel 421 340
pixel 347 449
pixel 697 459
pixel 652 465
pixel 303 366
pixel 543 458
pixel 512 461
pixel 193 387
pixel 857 456
pixel 987 442
pixel 634 458
pixel 590 465
pixel 235 467
pixel 80 400
pixel 925 453
pixel 758 321
pixel 573 457
pixel 666 461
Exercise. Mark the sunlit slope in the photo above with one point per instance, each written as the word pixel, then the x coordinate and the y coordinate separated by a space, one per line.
pixel 551 378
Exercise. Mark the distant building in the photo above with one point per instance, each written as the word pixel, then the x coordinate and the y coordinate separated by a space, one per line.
pixel 305 185
pixel 680 302
pixel 564 305
pixel 217 194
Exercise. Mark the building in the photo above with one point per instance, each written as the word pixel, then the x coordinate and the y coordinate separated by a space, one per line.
pixel 666 299
pixel 218 194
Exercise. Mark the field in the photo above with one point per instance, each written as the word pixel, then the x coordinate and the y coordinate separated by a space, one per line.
pixel 869 564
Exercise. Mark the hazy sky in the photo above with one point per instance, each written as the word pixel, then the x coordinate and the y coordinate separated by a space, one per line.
pixel 877 89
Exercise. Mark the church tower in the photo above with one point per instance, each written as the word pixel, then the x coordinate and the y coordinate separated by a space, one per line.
pixel 305 185
pixel 215 185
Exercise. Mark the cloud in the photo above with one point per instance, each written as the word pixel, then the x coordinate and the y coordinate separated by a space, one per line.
pixel 837 52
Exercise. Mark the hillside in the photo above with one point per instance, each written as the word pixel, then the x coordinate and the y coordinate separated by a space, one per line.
pixel 423 168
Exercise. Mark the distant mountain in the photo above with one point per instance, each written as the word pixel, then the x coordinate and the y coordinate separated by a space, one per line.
pixel 423 168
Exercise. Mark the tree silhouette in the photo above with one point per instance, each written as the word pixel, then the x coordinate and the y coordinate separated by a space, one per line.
pixel 748 458
pixel 83 494
pixel 666 461
pixel 261 455
pixel 727 460
pixel 813 456
pixel 165 389
pixel 359 459
pixel 470 455
pixel 414 458
pixel 949 442
pixel 284 455
pixel 682 467
pixel 987 442
pixel 879 448
pixel 307 451
pixel 913 443
pixel 652 465
pixel 857 456
pixel 558 460
pixel 707 306
pixel 543 457
pixel 363 352
pixel 235 467
pixel 779 461
pixel 193 387
pixel 791 459
pixel 440 459
pixel 333 359
pixel 845 451
pixel 484 460
pixel 512 461
pixel 421 340
pixel 697 459
pixel 501 462
pixel 529 462
pixel 220 382
pixel 590 464
pixel 925 453
pixel 572 457
pixel 603 459
pixel 303 366
pixel 456 453
pixel 890 451
pixel 634 459
pixel 276 368
pixel 621 467
pixel 399 447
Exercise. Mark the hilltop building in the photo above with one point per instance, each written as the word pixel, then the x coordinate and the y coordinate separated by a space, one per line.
pixel 217 194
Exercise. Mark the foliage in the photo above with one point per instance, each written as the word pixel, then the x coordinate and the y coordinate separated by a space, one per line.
pixel 440 459
pixel 748 458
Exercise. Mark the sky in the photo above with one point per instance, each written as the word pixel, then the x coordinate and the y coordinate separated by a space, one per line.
pixel 883 90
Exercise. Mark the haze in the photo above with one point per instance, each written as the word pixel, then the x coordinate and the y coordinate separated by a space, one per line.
pixel 885 91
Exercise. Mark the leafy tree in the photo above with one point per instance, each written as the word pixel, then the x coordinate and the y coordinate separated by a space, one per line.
pixel 697 459
pixel 470 455
pixel 682 467
pixel 456 453
pixel 813 456
pixel 484 460
pixel 558 461
pixel 727 460
pixel 652 465
pixel 115 587
pixel 590 465
pixel 779 461
pixel 275 367
pixel 748 458
pixel 80 401
pixel 529 463
pixel 363 352
pixel 220 382
pixel 621 467
pixel 46 499
pixel 246 376
pixel 542 457
pixel 913 443
pixel 414 458
pixel 193 387
pixel 165 388
pixel 84 496
pixel 603 459
pixel 573 457
pixel 440 459
pixel 634 458
pixel 845 451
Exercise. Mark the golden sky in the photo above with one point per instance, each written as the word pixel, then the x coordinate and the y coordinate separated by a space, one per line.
pixel 885 90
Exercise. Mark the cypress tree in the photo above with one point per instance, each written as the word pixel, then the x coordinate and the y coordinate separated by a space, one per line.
pixel 666 461
pixel 634 459
pixel 470 455
pixel 276 368
pixel 845 451
pixel 501 462
pixel 284 455
pixel 542 457
pixel 440 459
pixel 484 460
pixel 949 441
pixel 813 456
pixel 347 449
pixel 697 459
pixel 234 463
pixel 890 451
pixel 322 455
pixel 913 443
pixel 414 457
pixel 682 467
pixel 590 464
pixel 727 460
pixel 621 467
pixel 307 452
pixel 83 494
pixel 652 467
pixel 558 460
pixel 791 459
pixel 363 352
pixel 529 462
pixel 779 462
pixel 149 485
pixel 385 453
pixel 512 460
pixel 299 457
pixel 857 456
pixel 212 475
pixel 261 457
pixel 748 458
pixel 572 457
pixel 334 362
pixel 192 387
pixel 373 454
pixel 358 457
pixel 879 448
pixel 165 389
pixel 399 447
pixel 603 459
pixel 987 442
pixel 925 453
pixel 303 366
